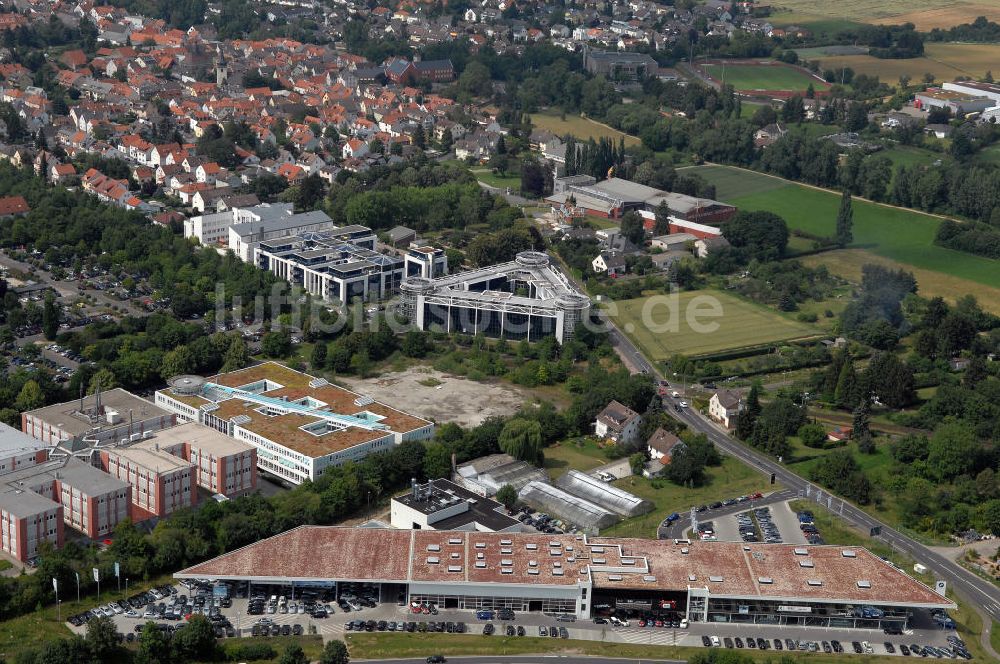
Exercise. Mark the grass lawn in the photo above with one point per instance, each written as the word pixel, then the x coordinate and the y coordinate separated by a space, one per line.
pixel 5 565
pixel 989 155
pixel 729 480
pixel 908 155
pixel 576 454
pixel 500 181
pixel 901 235
pixel 677 323
pixel 763 77
pixel 579 126
pixel 401 646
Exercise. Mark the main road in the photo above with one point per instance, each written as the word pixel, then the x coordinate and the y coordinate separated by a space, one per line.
pixel 525 659
pixel 972 588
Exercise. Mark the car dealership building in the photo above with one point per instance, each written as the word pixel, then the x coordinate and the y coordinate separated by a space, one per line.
pixel 831 586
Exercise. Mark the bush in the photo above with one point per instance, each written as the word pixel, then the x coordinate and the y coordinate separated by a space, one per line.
pixel 249 652
pixel 812 435
pixel 807 318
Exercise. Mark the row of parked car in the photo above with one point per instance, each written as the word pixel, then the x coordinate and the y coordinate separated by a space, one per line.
pixel 542 522
pixel 405 626
pixel 267 628
pixel 808 527
pixel 729 502
pixel 259 605
pixel 123 607
pixel 768 530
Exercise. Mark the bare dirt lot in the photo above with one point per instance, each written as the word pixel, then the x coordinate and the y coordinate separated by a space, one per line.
pixel 441 397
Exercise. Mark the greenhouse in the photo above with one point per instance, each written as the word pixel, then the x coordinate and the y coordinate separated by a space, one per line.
pixel 567 507
pixel 596 491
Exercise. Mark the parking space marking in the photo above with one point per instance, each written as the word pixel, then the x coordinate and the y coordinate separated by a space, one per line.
pixel 659 637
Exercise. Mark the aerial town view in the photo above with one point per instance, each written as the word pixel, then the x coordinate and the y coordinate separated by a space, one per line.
pixel 498 331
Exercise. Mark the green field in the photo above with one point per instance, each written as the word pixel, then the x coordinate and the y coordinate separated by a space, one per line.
pixel 900 235
pixel 580 127
pixel 762 77
pixel 730 479
pixel 677 323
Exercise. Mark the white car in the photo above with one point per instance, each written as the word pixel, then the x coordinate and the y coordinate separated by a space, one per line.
pixel 683 404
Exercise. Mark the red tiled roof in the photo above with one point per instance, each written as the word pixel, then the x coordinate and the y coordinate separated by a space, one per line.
pixel 13 205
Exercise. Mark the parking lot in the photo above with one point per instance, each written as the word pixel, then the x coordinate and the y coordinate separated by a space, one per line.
pixel 277 610
pixel 772 524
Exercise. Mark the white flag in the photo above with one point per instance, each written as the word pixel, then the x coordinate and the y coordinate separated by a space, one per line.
pixel 55 584
pixel 117 570
pixel 97 575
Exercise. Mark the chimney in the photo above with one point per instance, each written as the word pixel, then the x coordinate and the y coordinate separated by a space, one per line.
pixel 413 487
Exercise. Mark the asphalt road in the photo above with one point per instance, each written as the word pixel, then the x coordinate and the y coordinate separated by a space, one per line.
pixel 677 529
pixel 972 588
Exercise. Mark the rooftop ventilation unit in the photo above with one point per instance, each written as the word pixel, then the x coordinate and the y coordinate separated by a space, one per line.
pixel 532 563
pixel 533 572
pixel 614 577
pixel 506 570
pixel 557 572
pixel 240 420
pixel 628 561
pixel 849 553
pixel 692 577
pixel 480 565
pixel 801 552
pixel 864 584
pixel 507 551
pixel 597 549
pixel 649 578
pixel 454 568
pixel 433 547
pixel 600 561
pixel 433 560
pixel 364 400
pixel 317 383
pixel 531 547
pixel 765 579
pixel 480 545
pixel 505 542
pixel 685 551
pixel 814 582
pixel 506 562
pixel 715 579
pixel 806 563
pixel 454 540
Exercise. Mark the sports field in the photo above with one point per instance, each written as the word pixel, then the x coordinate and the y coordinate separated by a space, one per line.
pixel 924 14
pixel 904 236
pixel 579 127
pixel 749 76
pixel 702 322
pixel 944 60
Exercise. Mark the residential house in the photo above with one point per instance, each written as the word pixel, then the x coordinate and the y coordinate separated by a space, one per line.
pixel 617 422
pixel 660 447
pixel 724 406
pixel 59 173
pixel 610 262
pixel 768 135
pixel 13 206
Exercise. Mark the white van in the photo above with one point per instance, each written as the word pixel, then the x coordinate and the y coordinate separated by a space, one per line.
pixel 684 623
pixel 716 642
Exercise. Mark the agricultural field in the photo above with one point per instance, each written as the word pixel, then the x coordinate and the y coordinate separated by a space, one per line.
pixel 903 236
pixel 733 323
pixel 924 14
pixel 749 76
pixel 580 127
pixel 944 60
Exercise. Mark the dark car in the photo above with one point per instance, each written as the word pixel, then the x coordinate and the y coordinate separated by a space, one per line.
pixel 510 630
pixel 520 630
pixel 762 644
pixel 275 630
pixel 837 647
pixel 488 629
pixel 286 630
pixel 600 621
pixel 563 633
pixel 778 645
pixel 436 659
pixel 705 641
pixel 297 630
pixel 738 641
pixel 728 642
pixel 904 650
pixel 857 647
pixel 889 648
pixel 751 643
pixel 827 647
pixel 790 644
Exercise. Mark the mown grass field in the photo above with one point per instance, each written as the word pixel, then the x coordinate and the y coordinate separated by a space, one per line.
pixel 847 263
pixel 763 77
pixel 400 646
pixel 900 235
pixel 679 323
pixel 944 60
pixel 580 127
pixel 924 14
